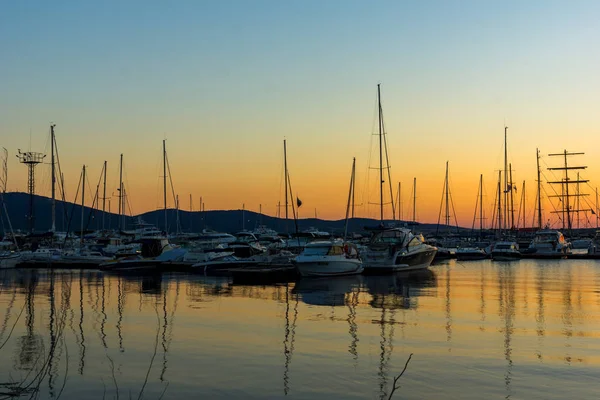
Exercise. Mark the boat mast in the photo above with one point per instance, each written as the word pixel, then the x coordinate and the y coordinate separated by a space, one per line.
pixel 505 178
pixel 447 217
pixel 286 181
pixel 353 182
pixel 380 155
pixel 120 192
pixel 82 206
pixel 480 207
pixel 414 200
pixel 596 211
pixel 104 196
pixel 524 204
pixel 499 203
pixel 350 198
pixel 512 204
pixel 165 184
pixel 52 162
pixel 539 191
pixel 399 201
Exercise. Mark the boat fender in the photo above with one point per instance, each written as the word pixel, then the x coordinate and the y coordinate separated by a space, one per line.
pixel 346 249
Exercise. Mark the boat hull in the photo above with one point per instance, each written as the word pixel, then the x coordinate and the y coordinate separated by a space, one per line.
pixel 505 256
pixel 402 262
pixel 471 256
pixel 328 268
pixel 9 262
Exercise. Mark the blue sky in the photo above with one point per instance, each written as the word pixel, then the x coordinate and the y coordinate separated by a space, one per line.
pixel 226 81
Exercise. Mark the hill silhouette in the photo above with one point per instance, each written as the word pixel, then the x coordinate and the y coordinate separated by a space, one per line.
pixel 68 217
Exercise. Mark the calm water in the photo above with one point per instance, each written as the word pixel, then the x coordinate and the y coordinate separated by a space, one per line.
pixel 523 330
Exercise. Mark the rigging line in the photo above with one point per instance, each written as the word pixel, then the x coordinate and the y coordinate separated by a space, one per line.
pixel 493 226
pixel 73 209
pixel 441 206
pixel 96 198
pixel 171 180
pixel 387 163
pixel 453 209
pixel 554 208
pixel 366 188
pixel 475 212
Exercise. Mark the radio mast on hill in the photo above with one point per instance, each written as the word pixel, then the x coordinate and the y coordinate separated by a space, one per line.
pixel 31 159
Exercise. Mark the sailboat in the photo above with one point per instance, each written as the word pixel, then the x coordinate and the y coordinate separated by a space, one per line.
pixel 393 249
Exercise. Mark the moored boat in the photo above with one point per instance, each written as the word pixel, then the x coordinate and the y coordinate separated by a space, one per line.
pixel 506 251
pixel 471 254
pixel 397 249
pixel 328 258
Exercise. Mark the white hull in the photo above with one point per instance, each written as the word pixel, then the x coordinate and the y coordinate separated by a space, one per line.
pixel 9 262
pixel 329 268
pixel 395 267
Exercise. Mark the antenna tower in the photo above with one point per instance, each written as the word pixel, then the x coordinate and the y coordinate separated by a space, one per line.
pixel 31 159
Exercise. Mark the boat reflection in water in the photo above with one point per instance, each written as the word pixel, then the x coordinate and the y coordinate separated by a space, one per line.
pixel 387 293
pixel 497 329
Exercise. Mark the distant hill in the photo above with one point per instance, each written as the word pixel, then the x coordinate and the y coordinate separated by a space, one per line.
pixel 69 215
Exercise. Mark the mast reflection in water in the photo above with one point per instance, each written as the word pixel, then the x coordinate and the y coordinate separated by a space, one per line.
pixel 528 329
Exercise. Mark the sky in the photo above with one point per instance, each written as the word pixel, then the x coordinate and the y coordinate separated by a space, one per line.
pixel 226 82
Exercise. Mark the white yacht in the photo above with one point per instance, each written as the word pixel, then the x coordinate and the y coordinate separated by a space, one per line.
pixel 506 251
pixel 396 249
pixel 549 243
pixel 328 258
pixel 9 259
pixel 84 257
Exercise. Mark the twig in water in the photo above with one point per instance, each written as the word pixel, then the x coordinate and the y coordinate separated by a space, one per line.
pixel 399 376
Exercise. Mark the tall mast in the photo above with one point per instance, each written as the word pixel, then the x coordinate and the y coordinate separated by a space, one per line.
pixel 480 206
pixel 399 201
pixel 447 217
pixel 286 180
pixel 353 182
pixel 539 190
pixel 567 190
pixel 505 177
pixel 191 215
pixel 524 204
pixel 53 178
pixel 82 206
pixel 577 200
pixel 499 203
pixel 512 204
pixel 165 184
pixel 565 182
pixel 596 210
pixel 104 196
pixel 121 192
pixel 380 155
pixel 350 198
pixel 415 200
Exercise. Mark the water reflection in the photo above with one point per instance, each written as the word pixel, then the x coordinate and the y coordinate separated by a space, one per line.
pixel 74 334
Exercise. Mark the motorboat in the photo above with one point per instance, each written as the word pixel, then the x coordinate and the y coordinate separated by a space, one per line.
pixel 548 243
pixel 154 252
pixel 396 249
pixel 9 259
pixel 506 251
pixel 83 257
pixel 471 254
pixel 328 258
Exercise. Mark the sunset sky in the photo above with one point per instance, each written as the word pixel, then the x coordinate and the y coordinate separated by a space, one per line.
pixel 226 82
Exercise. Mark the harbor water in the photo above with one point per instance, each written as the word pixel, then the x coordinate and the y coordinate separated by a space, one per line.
pixel 526 329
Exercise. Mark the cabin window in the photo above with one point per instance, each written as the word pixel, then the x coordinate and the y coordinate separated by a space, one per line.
pixel 315 251
pixel 414 242
pixel 335 251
